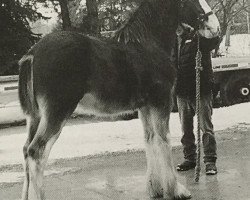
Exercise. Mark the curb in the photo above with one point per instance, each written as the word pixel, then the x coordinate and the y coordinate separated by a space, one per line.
pixel 11 115
pixel 12 124
pixel 8 83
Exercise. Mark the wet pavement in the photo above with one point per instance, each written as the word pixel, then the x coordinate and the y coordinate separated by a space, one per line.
pixel 121 176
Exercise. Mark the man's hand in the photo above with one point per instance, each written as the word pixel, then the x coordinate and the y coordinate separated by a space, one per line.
pixel 187 28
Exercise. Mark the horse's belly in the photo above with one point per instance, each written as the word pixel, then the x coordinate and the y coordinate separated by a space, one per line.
pixel 90 104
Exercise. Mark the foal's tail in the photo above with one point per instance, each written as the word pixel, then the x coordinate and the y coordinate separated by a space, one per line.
pixel 26 90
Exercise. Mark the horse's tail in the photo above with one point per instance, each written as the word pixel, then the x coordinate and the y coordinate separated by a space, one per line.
pixel 26 90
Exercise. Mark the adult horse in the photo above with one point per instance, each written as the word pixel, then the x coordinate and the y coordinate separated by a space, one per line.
pixel 130 72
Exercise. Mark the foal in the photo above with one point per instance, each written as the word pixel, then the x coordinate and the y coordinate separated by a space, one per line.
pixel 130 72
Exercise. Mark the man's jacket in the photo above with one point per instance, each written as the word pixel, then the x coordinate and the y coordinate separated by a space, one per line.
pixel 186 76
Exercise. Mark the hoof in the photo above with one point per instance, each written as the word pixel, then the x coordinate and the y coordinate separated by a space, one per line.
pixel 182 193
pixel 154 188
pixel 182 198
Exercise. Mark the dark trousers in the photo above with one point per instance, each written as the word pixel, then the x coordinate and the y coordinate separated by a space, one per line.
pixel 186 108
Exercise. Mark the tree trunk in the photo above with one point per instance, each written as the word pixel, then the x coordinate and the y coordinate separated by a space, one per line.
pixel 66 23
pixel 228 33
pixel 93 26
pixel 248 23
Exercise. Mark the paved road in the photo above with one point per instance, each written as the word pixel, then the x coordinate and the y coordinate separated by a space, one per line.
pixel 121 176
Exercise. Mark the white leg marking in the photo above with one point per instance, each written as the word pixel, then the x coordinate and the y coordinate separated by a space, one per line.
pixel 154 187
pixel 49 133
pixel 181 192
pixel 164 172
pixel 37 168
pixel 161 176
pixel 32 124
pixel 26 182
pixel 35 186
pixel 25 166
pixel 163 166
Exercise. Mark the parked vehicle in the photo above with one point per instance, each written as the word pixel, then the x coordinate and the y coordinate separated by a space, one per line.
pixel 231 75
pixel 232 80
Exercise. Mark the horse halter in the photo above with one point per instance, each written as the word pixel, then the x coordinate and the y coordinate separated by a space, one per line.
pixel 201 16
pixel 204 17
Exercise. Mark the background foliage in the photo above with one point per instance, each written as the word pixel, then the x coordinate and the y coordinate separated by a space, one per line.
pixel 16 36
pixel 90 17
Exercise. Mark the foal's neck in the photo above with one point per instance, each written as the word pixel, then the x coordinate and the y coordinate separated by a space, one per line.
pixel 164 23
pixel 154 20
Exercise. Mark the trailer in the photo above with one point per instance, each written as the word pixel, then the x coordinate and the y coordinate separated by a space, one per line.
pixel 232 80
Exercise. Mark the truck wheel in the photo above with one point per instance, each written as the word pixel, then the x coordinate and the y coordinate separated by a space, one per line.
pixel 236 90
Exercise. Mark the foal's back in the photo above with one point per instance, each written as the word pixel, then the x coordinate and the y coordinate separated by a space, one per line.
pixel 104 77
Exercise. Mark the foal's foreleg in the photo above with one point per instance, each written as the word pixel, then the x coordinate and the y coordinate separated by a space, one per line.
pixel 38 152
pixel 161 178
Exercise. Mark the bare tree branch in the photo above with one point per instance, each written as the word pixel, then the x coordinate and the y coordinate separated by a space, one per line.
pixel 238 12
pixel 215 5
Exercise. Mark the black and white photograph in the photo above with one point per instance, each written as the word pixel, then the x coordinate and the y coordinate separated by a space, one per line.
pixel 124 99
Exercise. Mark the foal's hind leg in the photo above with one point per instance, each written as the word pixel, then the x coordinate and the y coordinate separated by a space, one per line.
pixel 161 178
pixel 38 151
pixel 32 125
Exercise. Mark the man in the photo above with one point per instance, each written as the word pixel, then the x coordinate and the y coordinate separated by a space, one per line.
pixel 184 59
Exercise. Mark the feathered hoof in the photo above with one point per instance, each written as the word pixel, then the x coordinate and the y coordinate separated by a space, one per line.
pixel 182 193
pixel 182 198
pixel 154 189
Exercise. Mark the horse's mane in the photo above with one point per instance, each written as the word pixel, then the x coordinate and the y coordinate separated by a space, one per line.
pixel 135 30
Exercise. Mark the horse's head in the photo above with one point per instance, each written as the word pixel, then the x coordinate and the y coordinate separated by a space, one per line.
pixel 198 14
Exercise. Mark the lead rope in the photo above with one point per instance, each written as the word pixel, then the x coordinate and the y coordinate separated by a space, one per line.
pixel 198 70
